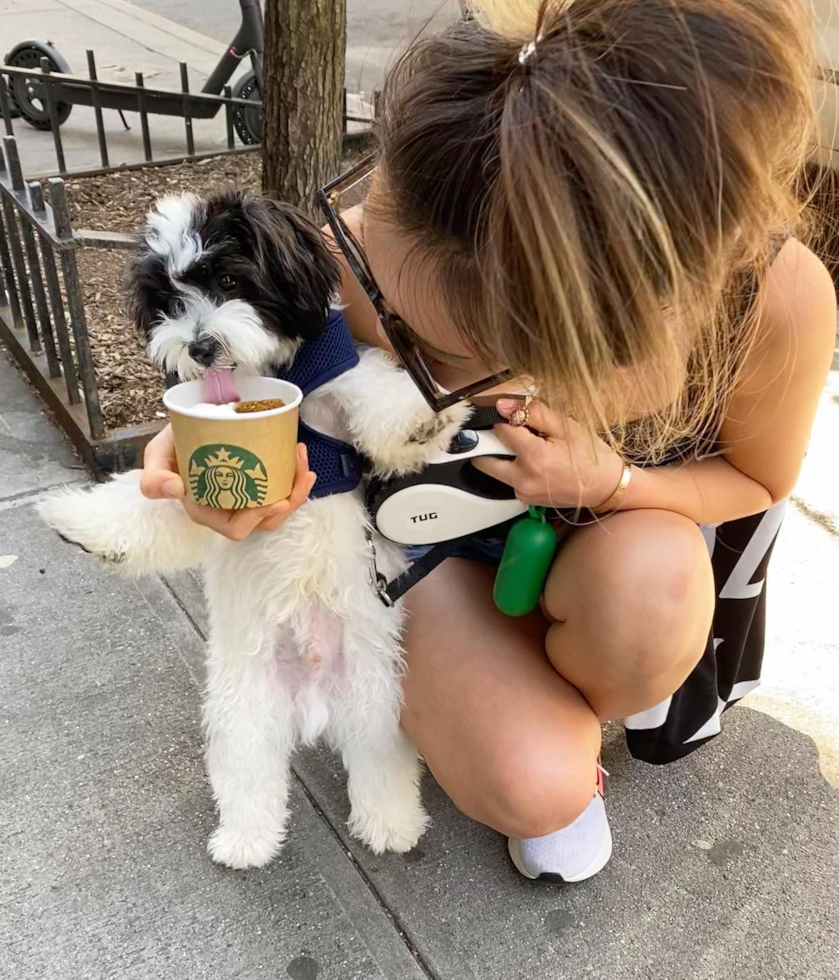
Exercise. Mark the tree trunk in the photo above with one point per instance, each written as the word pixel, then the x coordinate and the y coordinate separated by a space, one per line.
pixel 303 101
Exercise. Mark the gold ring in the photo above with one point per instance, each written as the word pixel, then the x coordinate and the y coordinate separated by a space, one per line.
pixel 521 415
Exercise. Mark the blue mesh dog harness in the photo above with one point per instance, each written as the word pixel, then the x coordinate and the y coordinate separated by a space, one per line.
pixel 337 463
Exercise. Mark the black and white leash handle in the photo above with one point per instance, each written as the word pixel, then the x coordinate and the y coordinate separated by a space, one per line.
pixel 483 417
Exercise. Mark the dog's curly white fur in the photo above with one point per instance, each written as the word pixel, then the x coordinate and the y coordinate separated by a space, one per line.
pixel 300 646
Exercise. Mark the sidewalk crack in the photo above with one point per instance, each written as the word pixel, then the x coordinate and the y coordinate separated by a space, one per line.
pixel 825 521
pixel 183 608
pixel 26 496
pixel 398 924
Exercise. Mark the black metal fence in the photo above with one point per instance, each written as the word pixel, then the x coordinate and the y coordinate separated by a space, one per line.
pixel 57 89
pixel 42 312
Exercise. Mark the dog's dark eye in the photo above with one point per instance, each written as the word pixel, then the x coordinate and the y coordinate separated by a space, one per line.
pixel 227 283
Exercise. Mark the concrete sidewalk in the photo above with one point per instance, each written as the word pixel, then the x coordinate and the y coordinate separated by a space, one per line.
pixel 125 40
pixel 725 864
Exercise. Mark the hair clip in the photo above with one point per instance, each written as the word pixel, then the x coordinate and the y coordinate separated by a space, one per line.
pixel 527 50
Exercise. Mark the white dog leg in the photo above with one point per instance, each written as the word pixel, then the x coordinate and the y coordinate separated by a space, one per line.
pixel 249 724
pixel 115 522
pixel 386 811
pixel 389 419
pixel 381 761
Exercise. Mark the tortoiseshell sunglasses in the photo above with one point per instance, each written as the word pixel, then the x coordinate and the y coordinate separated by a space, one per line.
pixel 404 341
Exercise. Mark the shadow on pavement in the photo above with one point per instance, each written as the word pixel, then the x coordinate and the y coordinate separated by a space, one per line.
pixel 724 866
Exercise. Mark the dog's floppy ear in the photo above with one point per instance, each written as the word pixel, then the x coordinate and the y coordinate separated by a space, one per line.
pixel 167 237
pixel 146 285
pixel 296 269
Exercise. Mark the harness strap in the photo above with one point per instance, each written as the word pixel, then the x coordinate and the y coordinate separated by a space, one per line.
pixel 337 463
pixel 393 591
pixel 324 358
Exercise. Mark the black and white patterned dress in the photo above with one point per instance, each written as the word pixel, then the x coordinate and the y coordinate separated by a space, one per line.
pixel 730 667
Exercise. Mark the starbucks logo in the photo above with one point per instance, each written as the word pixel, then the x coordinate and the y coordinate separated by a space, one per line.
pixel 227 477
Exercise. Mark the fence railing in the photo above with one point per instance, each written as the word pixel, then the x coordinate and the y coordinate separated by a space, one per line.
pixel 57 89
pixel 42 312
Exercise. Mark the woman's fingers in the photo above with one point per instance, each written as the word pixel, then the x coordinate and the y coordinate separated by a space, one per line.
pixel 518 438
pixel 160 478
pixel 275 516
pixel 304 480
pixel 233 524
pixel 504 470
pixel 236 525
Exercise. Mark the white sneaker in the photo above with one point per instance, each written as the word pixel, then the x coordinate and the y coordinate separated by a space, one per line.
pixel 574 853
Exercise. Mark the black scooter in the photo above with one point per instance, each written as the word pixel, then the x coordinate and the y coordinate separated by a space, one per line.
pixel 30 104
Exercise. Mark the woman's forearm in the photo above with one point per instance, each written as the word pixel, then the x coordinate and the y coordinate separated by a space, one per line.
pixel 707 491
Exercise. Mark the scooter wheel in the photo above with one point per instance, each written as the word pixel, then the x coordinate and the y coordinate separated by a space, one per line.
pixel 248 122
pixel 27 95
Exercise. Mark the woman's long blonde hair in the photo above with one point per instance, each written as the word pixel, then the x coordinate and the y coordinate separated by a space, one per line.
pixel 599 184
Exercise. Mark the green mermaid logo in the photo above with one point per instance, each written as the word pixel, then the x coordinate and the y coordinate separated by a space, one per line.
pixel 227 477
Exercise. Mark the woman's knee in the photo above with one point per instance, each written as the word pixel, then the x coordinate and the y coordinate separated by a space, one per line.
pixel 650 594
pixel 538 787
pixel 669 605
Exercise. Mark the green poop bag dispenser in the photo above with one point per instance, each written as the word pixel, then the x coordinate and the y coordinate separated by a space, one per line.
pixel 525 563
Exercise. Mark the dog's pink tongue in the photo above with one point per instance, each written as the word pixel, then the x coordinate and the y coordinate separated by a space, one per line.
pixel 220 386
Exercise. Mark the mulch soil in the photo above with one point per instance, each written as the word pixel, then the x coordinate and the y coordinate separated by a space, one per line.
pixel 130 388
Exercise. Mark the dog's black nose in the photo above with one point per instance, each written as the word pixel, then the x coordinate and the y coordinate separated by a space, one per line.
pixel 203 351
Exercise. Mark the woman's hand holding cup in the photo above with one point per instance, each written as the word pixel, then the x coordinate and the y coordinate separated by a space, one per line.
pixel 160 480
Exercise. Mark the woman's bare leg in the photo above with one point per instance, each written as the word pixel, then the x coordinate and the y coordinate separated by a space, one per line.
pixel 506 730
pixel 512 743
pixel 631 602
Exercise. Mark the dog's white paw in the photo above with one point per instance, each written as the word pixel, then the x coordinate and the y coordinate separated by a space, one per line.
pixel 425 436
pixel 395 828
pixel 437 429
pixel 242 849
pixel 74 516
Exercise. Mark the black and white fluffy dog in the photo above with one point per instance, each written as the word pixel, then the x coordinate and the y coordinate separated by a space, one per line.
pixel 300 646
pixel 233 279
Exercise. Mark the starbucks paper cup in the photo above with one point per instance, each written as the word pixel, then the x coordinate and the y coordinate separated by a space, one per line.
pixel 232 461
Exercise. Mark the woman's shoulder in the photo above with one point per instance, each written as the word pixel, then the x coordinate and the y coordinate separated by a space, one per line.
pixel 799 295
pixel 795 339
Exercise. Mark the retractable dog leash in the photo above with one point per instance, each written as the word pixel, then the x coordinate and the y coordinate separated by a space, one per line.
pixel 528 551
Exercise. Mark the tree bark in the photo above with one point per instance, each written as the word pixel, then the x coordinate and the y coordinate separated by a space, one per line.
pixel 303 97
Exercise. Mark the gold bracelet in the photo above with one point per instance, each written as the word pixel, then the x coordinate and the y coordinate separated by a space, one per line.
pixel 611 504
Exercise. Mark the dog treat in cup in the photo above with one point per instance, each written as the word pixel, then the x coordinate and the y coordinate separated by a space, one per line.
pixel 240 454
pixel 263 405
